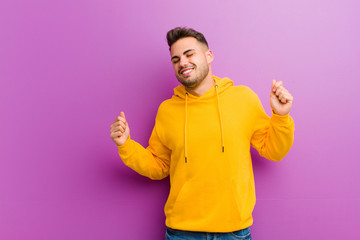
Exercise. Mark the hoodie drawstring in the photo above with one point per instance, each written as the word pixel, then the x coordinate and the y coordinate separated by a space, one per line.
pixel 186 95
pixel 221 125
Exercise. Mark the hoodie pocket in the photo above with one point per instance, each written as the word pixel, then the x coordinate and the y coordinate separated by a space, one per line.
pixel 206 202
pixel 189 202
pixel 244 192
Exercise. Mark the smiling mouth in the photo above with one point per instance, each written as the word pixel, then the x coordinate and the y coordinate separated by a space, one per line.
pixel 186 71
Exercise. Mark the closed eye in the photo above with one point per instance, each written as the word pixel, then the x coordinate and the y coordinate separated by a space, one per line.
pixel 188 53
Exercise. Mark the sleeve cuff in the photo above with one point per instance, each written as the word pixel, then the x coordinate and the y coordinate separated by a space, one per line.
pixel 280 119
pixel 127 142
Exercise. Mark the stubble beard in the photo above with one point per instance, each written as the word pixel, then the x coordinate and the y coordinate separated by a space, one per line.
pixel 193 81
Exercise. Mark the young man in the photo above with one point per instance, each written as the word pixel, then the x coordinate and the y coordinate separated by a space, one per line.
pixel 202 138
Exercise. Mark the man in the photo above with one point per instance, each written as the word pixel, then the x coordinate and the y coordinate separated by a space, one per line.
pixel 202 138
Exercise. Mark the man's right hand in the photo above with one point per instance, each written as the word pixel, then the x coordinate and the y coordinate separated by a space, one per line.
pixel 119 130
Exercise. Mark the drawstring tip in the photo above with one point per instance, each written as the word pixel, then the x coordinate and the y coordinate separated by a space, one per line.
pixel 185 159
pixel 223 148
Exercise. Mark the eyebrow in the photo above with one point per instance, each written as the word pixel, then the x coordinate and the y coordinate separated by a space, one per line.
pixel 183 53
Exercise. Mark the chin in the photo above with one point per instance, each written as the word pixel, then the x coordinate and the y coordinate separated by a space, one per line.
pixel 190 84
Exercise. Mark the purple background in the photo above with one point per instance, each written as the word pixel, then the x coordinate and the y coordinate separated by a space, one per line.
pixel 67 68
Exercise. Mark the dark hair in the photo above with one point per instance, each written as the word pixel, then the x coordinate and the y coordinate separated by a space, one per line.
pixel 182 32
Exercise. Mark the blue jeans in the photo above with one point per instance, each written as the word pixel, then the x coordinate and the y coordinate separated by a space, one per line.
pixel 173 234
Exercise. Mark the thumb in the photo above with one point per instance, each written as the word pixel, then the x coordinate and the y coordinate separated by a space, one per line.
pixel 122 114
pixel 273 85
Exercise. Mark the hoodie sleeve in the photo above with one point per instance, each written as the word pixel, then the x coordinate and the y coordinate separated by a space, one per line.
pixel 152 162
pixel 272 137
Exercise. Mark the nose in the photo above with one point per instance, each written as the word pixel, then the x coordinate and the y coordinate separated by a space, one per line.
pixel 183 61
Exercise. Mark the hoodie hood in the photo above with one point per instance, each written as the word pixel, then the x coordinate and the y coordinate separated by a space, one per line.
pixel 222 83
pixel 220 86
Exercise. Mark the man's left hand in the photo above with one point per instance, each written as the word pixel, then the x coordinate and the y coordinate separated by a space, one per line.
pixel 280 98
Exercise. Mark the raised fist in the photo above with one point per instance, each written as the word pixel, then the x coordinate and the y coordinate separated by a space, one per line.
pixel 119 130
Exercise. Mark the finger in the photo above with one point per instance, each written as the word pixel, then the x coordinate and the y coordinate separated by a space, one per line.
pixel 278 84
pixel 289 98
pixel 285 97
pixel 120 119
pixel 279 90
pixel 118 123
pixel 116 134
pixel 279 94
pixel 115 127
pixel 273 85
pixel 283 88
pixel 118 128
pixel 115 124
pixel 123 125
pixel 284 92
pixel 282 97
pixel 122 114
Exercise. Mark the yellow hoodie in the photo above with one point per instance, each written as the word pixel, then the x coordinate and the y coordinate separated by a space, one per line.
pixel 204 144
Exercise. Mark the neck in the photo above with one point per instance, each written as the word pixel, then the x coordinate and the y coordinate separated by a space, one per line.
pixel 203 87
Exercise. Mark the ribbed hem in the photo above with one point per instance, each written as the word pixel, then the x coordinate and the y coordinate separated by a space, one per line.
pixel 280 119
pixel 127 142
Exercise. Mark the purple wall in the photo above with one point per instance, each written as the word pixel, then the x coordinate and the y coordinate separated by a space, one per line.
pixel 67 68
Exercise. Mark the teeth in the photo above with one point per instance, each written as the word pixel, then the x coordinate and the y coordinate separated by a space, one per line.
pixel 187 71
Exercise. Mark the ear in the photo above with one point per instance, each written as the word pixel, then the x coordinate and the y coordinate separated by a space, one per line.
pixel 209 56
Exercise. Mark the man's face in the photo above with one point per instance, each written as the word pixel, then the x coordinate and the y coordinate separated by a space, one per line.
pixel 191 60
